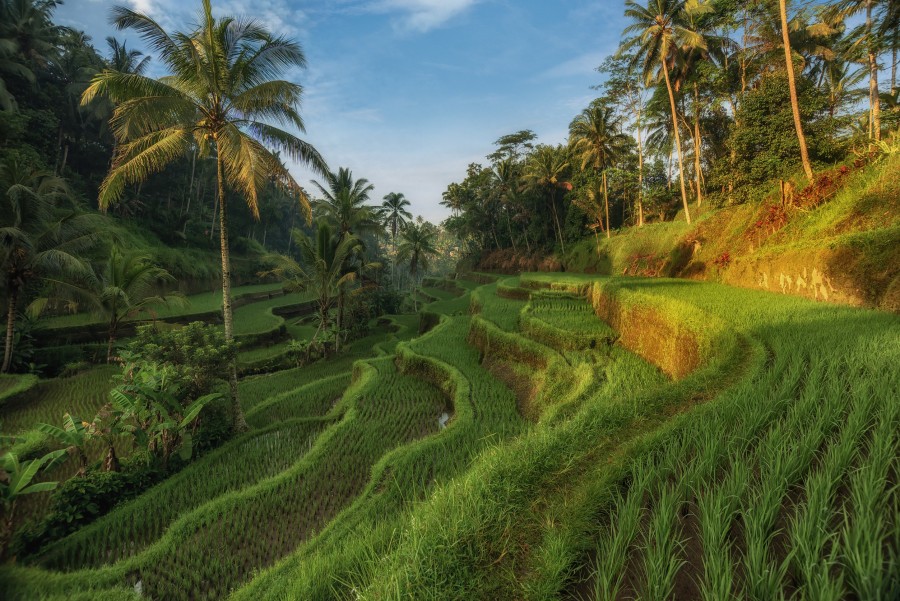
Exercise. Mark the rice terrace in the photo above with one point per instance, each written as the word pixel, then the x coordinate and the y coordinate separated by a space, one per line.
pixel 613 315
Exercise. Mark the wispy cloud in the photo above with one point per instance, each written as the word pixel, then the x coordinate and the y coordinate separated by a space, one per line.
pixel 422 15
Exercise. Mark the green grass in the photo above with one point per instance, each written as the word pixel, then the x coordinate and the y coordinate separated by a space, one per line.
pixel 763 466
pixel 82 395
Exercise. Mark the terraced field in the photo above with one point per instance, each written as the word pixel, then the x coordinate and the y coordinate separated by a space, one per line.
pixel 550 437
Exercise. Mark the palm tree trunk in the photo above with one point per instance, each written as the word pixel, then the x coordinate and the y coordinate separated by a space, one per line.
pixel 795 104
pixel 509 229
pixel 606 204
pixel 874 100
pixel 640 198
pixel 240 424
pixel 665 70
pixel 109 345
pixel 12 299
pixel 697 144
pixel 556 221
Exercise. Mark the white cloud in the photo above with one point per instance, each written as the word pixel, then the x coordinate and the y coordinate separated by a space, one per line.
pixel 422 15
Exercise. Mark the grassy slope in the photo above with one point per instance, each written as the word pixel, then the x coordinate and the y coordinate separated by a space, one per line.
pixel 513 498
pixel 853 238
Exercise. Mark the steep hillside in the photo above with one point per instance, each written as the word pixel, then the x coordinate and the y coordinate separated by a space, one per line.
pixel 838 240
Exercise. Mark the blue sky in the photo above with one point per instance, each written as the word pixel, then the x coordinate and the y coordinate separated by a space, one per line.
pixel 408 92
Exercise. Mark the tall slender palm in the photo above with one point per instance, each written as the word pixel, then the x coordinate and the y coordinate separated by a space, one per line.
pixel 393 209
pixel 223 96
pixel 506 181
pixel 344 201
pixel 39 237
pixel 321 269
pixel 871 38
pixel 546 170
pixel 595 137
pixel 659 33
pixel 417 245
pixel 792 86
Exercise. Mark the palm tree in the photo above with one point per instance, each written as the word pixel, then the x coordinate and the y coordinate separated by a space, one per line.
pixel 546 169
pixel 506 182
pixel 322 270
pixel 38 239
pixel 659 32
pixel 222 95
pixel 871 37
pixel 395 214
pixel 792 86
pixel 595 138
pixel 127 286
pixel 417 246
pixel 344 203
pixel 123 60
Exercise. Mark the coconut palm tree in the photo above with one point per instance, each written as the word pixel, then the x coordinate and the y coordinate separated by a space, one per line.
pixel 395 214
pixel 393 209
pixel 222 95
pixel 595 137
pixel 39 239
pixel 546 169
pixel 322 270
pixel 659 33
pixel 344 203
pixel 792 86
pixel 127 285
pixel 123 60
pixel 417 247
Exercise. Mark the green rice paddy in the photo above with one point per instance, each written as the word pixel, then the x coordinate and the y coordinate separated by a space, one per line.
pixel 698 442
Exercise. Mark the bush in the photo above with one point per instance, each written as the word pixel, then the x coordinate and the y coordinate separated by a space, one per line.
pixel 81 500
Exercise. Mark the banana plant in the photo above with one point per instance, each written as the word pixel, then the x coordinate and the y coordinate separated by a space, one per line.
pixel 74 435
pixel 16 480
pixel 151 408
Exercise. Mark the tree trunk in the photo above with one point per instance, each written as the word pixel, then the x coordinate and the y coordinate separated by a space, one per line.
pixel 606 204
pixel 795 104
pixel 640 198
pixel 109 345
pixel 894 69
pixel 665 69
pixel 12 299
pixel 509 229
pixel 874 100
pixel 111 463
pixel 556 221
pixel 65 158
pixel 697 145
pixel 240 424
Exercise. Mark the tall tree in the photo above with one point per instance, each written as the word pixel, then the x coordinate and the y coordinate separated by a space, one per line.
pixel 40 238
pixel 545 170
pixel 871 38
pixel 322 270
pixel 222 95
pixel 396 216
pixel 792 85
pixel 659 32
pixel 596 140
pixel 417 245
pixel 344 203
